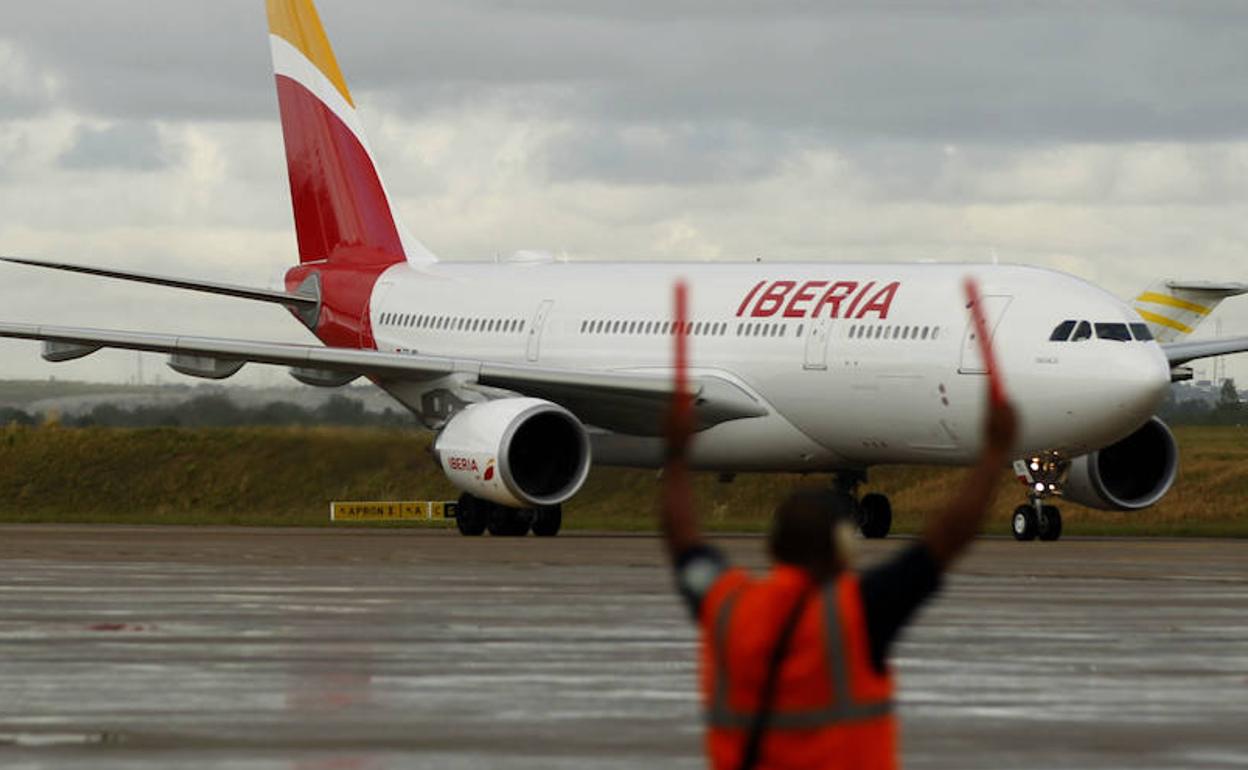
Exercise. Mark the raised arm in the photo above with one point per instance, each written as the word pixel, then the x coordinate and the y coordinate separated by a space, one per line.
pixel 948 534
pixel 677 517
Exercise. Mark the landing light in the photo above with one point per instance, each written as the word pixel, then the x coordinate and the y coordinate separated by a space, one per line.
pixel 1039 487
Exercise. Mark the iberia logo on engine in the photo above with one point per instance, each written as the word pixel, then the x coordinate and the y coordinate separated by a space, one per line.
pixel 465 464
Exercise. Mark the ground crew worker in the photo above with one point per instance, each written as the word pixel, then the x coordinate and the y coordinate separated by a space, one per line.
pixel 793 664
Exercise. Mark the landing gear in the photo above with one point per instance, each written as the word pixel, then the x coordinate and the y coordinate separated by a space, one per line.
pixel 875 515
pixel 1035 520
pixel 1025 523
pixel 548 521
pixel 1044 476
pixel 475 516
pixel 470 515
pixel 1050 524
pixel 508 522
pixel 873 512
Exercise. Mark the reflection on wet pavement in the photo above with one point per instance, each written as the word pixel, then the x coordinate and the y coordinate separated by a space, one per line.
pixel 377 649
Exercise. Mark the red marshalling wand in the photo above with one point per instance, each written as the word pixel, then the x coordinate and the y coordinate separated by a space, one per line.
pixel 996 388
pixel 682 405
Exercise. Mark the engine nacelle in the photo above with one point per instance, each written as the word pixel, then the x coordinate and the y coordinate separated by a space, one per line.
pixel 518 452
pixel 1132 474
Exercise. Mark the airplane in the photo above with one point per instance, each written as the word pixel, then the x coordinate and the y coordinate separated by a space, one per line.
pixel 531 369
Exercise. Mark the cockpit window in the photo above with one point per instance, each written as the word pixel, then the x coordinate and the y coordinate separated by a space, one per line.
pixel 1141 332
pixel 1112 331
pixel 1062 332
pixel 1083 332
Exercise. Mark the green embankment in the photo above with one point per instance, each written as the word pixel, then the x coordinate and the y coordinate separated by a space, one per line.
pixel 287 476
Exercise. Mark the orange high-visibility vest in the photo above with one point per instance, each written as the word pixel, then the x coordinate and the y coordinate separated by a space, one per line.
pixel 832 709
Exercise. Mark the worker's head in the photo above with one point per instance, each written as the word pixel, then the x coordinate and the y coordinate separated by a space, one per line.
pixel 813 529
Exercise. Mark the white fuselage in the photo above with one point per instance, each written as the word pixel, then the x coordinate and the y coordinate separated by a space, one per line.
pixel 858 364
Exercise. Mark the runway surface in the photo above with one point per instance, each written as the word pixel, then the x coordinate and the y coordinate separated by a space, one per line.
pixel 137 647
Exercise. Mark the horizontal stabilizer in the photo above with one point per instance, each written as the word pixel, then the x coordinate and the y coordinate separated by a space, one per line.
pixel 305 303
pixel 1182 352
pixel 1210 289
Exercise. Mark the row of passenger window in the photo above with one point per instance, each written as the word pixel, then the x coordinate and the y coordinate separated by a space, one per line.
pixel 720 329
pixel 452 323
pixel 696 328
pixel 1078 331
pixel 890 332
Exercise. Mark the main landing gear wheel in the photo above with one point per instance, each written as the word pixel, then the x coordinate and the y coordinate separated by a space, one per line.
pixel 875 514
pixel 508 522
pixel 470 515
pixel 1050 524
pixel 548 520
pixel 475 516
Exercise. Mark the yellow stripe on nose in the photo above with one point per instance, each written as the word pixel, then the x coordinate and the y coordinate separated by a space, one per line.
pixel 1168 301
pixel 297 22
pixel 1161 320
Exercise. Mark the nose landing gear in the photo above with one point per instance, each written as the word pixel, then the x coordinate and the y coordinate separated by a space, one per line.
pixel 1044 476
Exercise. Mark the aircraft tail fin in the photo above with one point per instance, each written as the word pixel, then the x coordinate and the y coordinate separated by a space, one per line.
pixel 1174 309
pixel 343 213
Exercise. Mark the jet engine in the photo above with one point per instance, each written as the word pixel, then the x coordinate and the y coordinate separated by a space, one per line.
pixel 1132 474
pixel 517 452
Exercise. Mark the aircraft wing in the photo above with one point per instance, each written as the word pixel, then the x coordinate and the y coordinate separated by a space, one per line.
pixel 623 401
pixel 1180 353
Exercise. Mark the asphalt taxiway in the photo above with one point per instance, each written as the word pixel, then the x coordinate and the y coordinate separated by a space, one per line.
pixel 150 647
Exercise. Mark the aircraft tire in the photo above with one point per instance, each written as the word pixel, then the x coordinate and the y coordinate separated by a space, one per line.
pixel 469 518
pixel 1050 528
pixel 1025 524
pixel 876 513
pixel 502 521
pixel 548 521
pixel 498 520
pixel 521 522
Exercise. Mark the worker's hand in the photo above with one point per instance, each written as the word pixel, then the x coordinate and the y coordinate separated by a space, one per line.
pixel 1002 427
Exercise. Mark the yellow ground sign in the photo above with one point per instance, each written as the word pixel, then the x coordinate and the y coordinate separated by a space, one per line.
pixel 422 510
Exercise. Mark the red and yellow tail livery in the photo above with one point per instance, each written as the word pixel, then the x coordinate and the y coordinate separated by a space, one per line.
pixel 343 213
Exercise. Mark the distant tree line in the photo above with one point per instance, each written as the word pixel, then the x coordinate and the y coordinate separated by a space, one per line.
pixel 218 411
pixel 1227 410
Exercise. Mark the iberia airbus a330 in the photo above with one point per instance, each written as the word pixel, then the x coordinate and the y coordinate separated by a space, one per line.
pixel 530 369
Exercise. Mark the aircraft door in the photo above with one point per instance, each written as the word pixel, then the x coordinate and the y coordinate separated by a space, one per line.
pixel 376 307
pixel 817 344
pixel 535 329
pixel 972 361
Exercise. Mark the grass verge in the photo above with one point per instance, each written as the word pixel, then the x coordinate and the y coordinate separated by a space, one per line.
pixel 287 476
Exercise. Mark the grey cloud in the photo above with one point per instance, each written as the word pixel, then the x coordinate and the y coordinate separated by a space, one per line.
pixel 1008 72
pixel 676 154
pixel 983 73
pixel 125 146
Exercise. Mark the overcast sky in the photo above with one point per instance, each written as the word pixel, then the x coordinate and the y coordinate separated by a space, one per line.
pixel 1109 140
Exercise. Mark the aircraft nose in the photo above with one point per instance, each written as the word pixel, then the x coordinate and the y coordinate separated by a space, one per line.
pixel 1143 381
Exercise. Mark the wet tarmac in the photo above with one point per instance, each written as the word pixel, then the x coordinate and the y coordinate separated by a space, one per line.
pixel 345 649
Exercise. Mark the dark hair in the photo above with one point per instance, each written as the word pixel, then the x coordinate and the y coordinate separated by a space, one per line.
pixel 802 528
